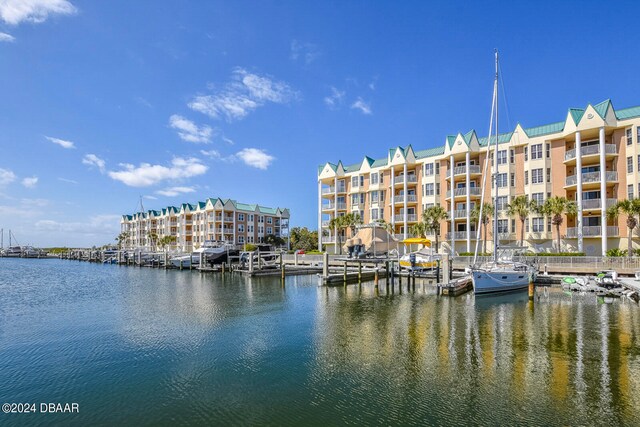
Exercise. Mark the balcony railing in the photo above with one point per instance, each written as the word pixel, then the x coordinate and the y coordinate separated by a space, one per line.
pixel 507 236
pixel 460 235
pixel 399 179
pixel 328 239
pixel 460 213
pixel 538 235
pixel 410 218
pixel 410 198
pixel 462 170
pixel 589 150
pixel 588 177
pixel 325 223
pixel 328 190
pixel 473 191
pixel 591 231
pixel 597 203
pixel 327 206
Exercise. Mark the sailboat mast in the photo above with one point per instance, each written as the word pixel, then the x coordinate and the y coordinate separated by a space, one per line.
pixel 495 171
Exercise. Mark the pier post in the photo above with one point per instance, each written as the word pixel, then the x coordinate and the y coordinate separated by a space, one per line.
pixel 190 262
pixel 282 272
pixel 531 288
pixel 386 270
pixel 325 264
pixel 446 278
pixel 375 277
pixel 360 272
pixel 201 261
pixel 344 274
pixel 223 265
pixel 251 262
pixel 181 265
pixel 166 260
pixel 295 258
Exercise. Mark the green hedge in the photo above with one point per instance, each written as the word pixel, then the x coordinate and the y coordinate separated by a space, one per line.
pixel 556 254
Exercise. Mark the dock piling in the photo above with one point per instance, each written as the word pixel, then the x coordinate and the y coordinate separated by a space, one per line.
pixel 325 264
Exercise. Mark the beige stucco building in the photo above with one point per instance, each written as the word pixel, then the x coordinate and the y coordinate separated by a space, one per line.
pixel 214 220
pixel 543 161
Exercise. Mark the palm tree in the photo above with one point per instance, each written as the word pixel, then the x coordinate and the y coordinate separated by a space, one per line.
pixel 432 217
pixel 165 241
pixel 419 229
pixel 630 208
pixel 554 207
pixel 153 238
pixel 337 223
pixel 386 226
pixel 521 207
pixel 122 238
pixel 352 220
pixel 487 214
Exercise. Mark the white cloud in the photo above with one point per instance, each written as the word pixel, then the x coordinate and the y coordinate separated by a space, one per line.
pixel 228 140
pixel 6 177
pixel 70 181
pixel 306 51
pixel 359 104
pixel 93 160
pixel 255 157
pixel 150 197
pixel 4 37
pixel 189 131
pixel 30 182
pixel 335 99
pixel 108 225
pixel 245 93
pixel 61 142
pixel 147 174
pixel 16 11
pixel 174 191
pixel 214 154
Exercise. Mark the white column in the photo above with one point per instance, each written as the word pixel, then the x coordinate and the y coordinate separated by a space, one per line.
pixel 579 191
pixel 335 211
pixel 468 179
pixel 405 216
pixel 392 199
pixel 222 225
pixel 603 193
pixel 453 206
pixel 319 216
pixel 234 227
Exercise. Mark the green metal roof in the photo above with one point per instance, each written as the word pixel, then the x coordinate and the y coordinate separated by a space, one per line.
pixel 602 107
pixel 544 129
pixel 467 136
pixel 429 152
pixel 451 139
pixel 270 211
pixel 628 113
pixel 502 139
pixel 576 114
pixel 379 162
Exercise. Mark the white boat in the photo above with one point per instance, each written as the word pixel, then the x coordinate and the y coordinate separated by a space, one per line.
pixel 501 274
pixel 13 251
pixel 210 252
pixel 422 259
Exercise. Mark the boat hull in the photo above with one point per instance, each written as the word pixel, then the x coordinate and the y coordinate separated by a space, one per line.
pixel 488 282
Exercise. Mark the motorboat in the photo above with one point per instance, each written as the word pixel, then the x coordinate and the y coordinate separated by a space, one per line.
pixel 13 252
pixel 423 258
pixel 211 252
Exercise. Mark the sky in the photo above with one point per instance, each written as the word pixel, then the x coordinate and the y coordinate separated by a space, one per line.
pixel 107 103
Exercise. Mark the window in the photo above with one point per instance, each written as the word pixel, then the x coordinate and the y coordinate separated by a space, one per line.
pixel 526 225
pixel 428 169
pixel 538 198
pixel 429 191
pixel 630 191
pixel 502 157
pixel 241 228
pixel 354 181
pixel 437 188
pixel 374 197
pixel 251 218
pixel 548 174
pixel 526 153
pixel 249 228
pixel 629 137
pixel 374 214
pixel 548 150
pixel 438 164
pixel 536 176
pixel 261 219
pixel 240 217
pixel 374 178
pixel 240 239
pixel 491 157
pixel 526 177
pixel 638 132
pixel 501 180
pixel 269 220
pixel 536 151
pixel 381 196
pixel 629 164
pixel 512 156
pixel 355 198
pixel 548 226
pixel 513 225
pixel 513 179
pixel 261 229
pixel 501 203
pixel 537 225
pixel 361 180
pixel 503 226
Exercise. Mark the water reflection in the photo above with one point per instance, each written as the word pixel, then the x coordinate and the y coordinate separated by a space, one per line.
pixel 570 355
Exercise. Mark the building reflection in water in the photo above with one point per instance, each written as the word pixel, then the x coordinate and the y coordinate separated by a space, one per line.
pixel 568 359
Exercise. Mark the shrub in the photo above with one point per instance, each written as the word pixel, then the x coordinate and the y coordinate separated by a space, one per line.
pixel 473 253
pixel 249 247
pixel 555 254
pixel 616 252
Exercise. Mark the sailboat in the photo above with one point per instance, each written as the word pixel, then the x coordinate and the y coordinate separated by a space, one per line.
pixel 502 273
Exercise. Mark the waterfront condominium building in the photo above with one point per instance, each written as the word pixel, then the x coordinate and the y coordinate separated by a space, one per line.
pixel 213 220
pixel 591 157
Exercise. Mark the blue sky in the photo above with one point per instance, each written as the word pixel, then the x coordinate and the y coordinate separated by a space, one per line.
pixel 177 101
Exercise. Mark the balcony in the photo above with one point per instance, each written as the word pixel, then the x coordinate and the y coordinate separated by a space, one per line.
pixel 590 150
pixel 506 236
pixel 462 170
pixel 460 213
pixel 411 179
pixel 462 192
pixel 328 239
pixel 538 235
pixel 597 203
pixel 410 218
pixel 325 224
pixel 592 231
pixel 411 198
pixel 591 177
pixel 460 235
pixel 328 190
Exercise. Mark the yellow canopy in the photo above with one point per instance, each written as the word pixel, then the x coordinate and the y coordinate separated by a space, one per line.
pixel 417 241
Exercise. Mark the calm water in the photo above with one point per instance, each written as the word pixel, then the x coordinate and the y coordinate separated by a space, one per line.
pixel 149 347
